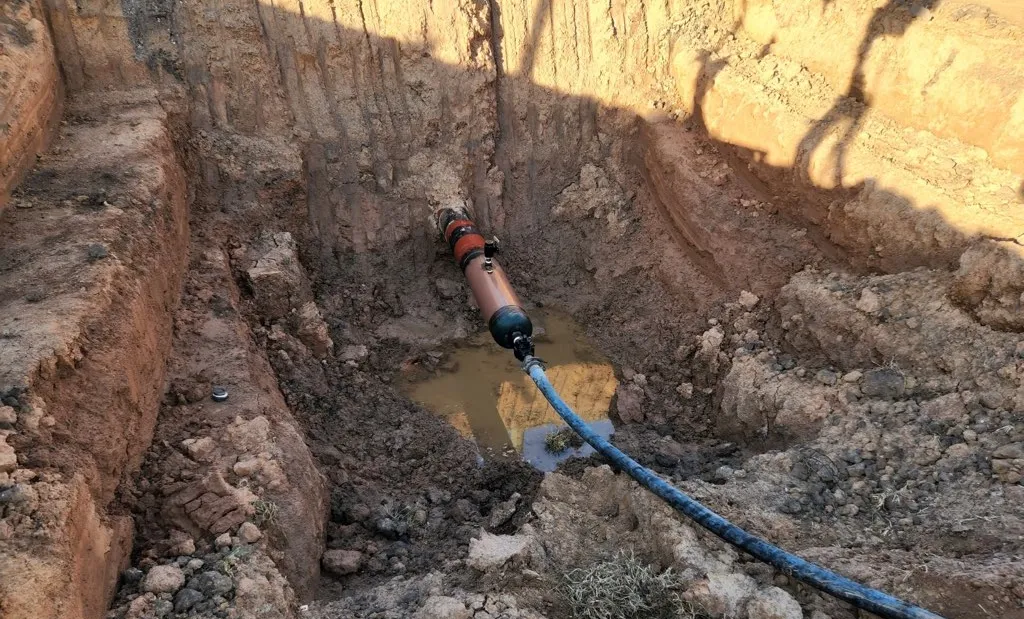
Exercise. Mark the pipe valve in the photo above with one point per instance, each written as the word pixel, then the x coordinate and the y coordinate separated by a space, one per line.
pixel 490 250
pixel 506 319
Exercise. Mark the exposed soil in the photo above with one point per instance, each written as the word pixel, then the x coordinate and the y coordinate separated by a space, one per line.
pixel 805 269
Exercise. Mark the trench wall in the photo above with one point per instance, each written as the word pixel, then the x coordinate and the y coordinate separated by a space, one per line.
pixel 394 108
pixel 31 92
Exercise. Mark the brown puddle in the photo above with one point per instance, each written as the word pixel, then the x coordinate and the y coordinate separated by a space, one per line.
pixel 488 398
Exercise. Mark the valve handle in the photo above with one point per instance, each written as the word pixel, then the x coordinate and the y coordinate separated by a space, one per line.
pixel 490 248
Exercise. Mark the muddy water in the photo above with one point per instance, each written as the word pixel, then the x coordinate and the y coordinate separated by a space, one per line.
pixel 484 394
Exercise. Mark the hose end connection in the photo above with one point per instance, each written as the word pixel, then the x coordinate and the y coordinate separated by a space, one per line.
pixel 530 362
pixel 522 347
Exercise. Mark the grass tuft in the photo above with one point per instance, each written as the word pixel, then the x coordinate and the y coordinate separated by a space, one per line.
pixel 560 440
pixel 626 588
pixel 264 513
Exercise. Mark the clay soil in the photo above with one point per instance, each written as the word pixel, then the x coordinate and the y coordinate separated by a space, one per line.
pixel 805 268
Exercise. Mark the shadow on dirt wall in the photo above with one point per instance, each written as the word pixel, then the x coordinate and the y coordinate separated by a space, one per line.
pixel 382 118
pixel 382 123
pixel 889 20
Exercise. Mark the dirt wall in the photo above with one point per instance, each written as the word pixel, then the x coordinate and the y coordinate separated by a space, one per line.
pixel 93 46
pixel 915 62
pixel 898 196
pixel 501 104
pixel 31 91
pixel 86 326
pixel 648 158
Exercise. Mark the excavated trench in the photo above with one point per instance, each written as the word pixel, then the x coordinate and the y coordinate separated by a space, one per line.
pixel 791 281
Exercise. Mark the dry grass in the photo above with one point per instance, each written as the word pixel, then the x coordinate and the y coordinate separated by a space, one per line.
pixel 264 513
pixel 560 440
pixel 626 588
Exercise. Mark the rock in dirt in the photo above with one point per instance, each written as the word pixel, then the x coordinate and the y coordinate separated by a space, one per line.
pixel 489 552
pixel 354 353
pixel 990 283
pixel 1012 451
pixel 213 504
pixel 949 407
pixel 223 540
pixel 826 377
pixel 342 562
pixel 994 400
pixel 706 356
pixel 957 454
pixel 96 251
pixel 751 401
pixel 1008 471
pixel 869 302
pixel 277 279
pixel 748 300
pixel 8 415
pixel 503 511
pixel 773 603
pixel 200 449
pixel 249 533
pixel 245 468
pixel 211 583
pixel 724 595
pixel 186 599
pixel 140 607
pixel 312 330
pixel 443 607
pixel 162 608
pixel 724 473
pixel 629 402
pixel 163 579
pixel 8 459
pixel 131 576
pixel 884 383
pixel 184 547
pixel 853 377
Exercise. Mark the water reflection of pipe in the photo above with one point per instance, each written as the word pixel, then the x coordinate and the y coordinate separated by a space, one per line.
pixel 506 319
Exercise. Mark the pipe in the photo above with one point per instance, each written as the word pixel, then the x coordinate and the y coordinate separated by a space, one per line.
pixel 507 320
pixel 863 597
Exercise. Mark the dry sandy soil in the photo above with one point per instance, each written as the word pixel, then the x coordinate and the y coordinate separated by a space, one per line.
pixel 796 229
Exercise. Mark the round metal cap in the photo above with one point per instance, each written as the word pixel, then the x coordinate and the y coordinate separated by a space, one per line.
pixel 219 394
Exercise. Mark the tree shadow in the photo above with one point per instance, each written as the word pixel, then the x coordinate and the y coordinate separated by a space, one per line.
pixel 849 109
pixel 706 78
pixel 541 17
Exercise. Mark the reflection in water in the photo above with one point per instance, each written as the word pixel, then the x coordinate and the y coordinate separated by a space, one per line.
pixel 486 396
